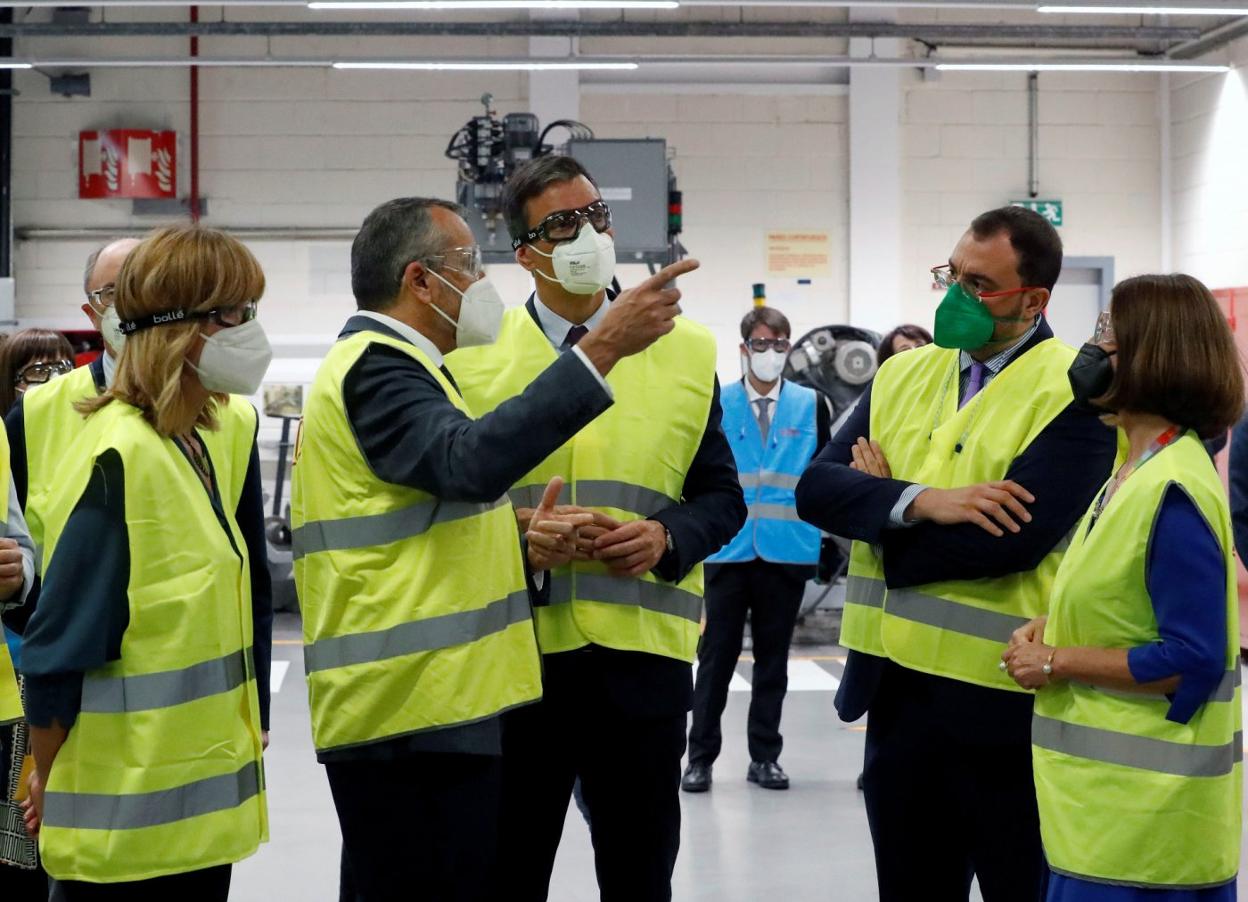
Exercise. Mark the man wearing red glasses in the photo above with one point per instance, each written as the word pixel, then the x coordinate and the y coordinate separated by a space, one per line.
pixel 958 476
pixel 620 631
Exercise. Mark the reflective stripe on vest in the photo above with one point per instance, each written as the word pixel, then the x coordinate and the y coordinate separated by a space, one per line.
pixel 161 772
pixel 415 612
pixel 1127 796
pixel 82 811
pixel 629 463
pixel 957 628
pixel 382 529
pixel 148 691
pixel 420 635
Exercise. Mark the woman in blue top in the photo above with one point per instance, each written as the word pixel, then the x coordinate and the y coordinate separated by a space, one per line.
pixel 1140 610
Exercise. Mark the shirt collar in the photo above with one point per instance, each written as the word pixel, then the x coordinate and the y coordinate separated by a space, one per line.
pixel 420 341
pixel 752 393
pixel 996 363
pixel 556 327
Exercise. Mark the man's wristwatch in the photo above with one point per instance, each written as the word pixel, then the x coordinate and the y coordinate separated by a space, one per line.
pixel 671 546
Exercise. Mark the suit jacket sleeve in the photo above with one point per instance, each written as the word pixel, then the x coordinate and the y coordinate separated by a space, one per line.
pixel 840 500
pixel 411 434
pixel 1062 468
pixel 250 517
pixel 712 508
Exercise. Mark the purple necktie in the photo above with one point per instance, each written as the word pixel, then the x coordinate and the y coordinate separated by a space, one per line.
pixel 975 383
pixel 575 334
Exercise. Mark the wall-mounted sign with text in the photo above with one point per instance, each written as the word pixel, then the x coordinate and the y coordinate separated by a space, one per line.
pixel 799 254
pixel 1049 209
pixel 127 162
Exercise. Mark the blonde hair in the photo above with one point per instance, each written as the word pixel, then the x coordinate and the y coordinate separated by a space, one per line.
pixel 188 268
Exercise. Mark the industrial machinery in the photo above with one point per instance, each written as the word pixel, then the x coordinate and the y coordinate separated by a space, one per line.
pixel 634 177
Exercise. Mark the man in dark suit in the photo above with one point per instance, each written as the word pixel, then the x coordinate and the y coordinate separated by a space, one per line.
pixel 958 505
pixel 414 768
pixel 620 632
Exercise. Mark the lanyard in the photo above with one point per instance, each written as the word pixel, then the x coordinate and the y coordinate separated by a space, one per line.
pixel 1124 471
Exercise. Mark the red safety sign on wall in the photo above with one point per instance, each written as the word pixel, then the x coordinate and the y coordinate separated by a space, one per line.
pixel 127 162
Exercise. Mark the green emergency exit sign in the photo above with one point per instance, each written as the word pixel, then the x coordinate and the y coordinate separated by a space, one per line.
pixel 1049 209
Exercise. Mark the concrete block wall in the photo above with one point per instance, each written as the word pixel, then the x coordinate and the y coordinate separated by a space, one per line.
pixel 965 148
pixel 1209 122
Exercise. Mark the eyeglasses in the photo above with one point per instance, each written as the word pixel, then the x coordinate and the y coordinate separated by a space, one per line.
pixel 43 371
pixel 466 260
pixel 1103 334
pixel 760 345
pixel 566 224
pixel 944 278
pixel 222 316
pixel 102 298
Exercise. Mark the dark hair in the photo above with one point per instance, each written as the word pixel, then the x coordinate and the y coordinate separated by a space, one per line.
pixel 23 348
pixel 1177 358
pixel 908 330
pixel 1036 242
pixel 530 180
pixel 392 236
pixel 770 317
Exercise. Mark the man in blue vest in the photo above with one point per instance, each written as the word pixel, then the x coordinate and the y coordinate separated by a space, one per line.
pixel 775 428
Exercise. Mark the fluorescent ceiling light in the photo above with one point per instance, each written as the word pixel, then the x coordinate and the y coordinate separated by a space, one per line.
pixel 1079 67
pixel 6 64
pixel 1148 10
pixel 467 66
pixel 435 5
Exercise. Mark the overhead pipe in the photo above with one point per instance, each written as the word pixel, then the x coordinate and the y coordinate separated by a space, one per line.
pixel 1033 135
pixel 934 33
pixel 194 121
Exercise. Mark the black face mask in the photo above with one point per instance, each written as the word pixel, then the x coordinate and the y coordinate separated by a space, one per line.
pixel 1091 375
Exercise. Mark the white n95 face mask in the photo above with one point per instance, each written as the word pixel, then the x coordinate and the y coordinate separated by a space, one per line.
pixel 235 359
pixel 767 365
pixel 584 265
pixel 110 329
pixel 480 313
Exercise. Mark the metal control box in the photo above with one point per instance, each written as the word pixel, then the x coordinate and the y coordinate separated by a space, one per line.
pixel 632 177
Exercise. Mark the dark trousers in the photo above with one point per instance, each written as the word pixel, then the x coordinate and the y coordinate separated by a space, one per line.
pixel 629 768
pixel 419 828
pixel 207 885
pixel 23 885
pixel 770 596
pixel 949 791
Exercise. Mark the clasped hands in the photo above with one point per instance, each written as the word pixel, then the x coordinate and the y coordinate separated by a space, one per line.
pixel 558 534
pixel 1024 659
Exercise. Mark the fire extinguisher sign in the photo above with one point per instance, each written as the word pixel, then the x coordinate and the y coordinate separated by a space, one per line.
pixel 127 162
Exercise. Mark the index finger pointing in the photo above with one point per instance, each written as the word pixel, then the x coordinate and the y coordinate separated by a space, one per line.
pixel 550 497
pixel 670 272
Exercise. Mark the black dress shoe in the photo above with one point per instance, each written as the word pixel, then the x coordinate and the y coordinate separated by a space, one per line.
pixel 768 775
pixel 697 778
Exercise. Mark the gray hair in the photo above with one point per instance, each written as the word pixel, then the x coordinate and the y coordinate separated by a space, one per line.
pixel 397 233
pixel 93 259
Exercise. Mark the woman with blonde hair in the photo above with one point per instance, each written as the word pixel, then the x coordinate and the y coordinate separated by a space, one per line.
pixel 141 685
pixel 1136 735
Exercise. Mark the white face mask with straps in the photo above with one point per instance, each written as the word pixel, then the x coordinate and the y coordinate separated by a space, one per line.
pixel 480 313
pixel 585 265
pixel 235 359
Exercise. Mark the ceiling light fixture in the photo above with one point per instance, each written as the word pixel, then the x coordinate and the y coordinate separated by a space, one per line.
pixel 7 64
pixel 469 66
pixel 1147 10
pixel 496 5
pixel 1079 67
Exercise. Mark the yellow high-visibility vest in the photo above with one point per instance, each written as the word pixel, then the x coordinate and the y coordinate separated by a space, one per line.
pixel 1126 796
pixel 629 463
pixel 955 628
pixel 161 773
pixel 415 612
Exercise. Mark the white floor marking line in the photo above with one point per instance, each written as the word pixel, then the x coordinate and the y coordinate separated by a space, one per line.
pixel 277 675
pixel 739 683
pixel 807 676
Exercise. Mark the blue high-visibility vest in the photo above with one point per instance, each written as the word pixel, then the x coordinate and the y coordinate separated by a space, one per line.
pixel 769 468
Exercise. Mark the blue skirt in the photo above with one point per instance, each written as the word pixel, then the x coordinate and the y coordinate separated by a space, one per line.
pixel 1071 889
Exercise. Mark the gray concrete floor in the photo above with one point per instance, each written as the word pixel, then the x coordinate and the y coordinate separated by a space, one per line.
pixel 739 843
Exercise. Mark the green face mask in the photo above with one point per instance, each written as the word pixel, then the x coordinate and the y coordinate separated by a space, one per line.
pixel 964 323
